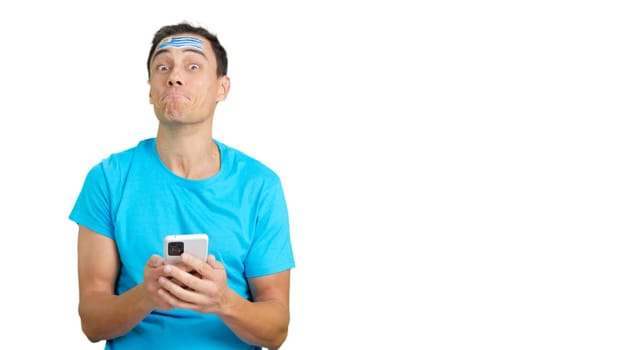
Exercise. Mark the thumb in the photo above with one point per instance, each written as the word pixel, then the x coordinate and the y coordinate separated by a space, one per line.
pixel 215 264
pixel 155 261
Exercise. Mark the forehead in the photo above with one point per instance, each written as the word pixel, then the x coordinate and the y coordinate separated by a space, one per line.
pixel 182 41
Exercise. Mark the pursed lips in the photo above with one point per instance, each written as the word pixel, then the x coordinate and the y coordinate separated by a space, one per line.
pixel 173 96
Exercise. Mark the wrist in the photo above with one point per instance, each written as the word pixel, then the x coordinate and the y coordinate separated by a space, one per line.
pixel 229 303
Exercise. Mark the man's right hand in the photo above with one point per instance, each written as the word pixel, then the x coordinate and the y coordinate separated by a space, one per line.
pixel 152 272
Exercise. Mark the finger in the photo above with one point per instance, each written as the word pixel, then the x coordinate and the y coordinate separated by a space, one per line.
pixel 184 267
pixel 177 295
pixel 207 269
pixel 161 301
pixel 211 260
pixel 174 302
pixel 155 261
pixel 179 275
pixel 191 261
pixel 177 282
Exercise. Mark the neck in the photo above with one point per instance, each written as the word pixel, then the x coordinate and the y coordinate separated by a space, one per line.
pixel 187 153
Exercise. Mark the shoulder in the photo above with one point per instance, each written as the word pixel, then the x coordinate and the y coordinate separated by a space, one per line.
pixel 243 163
pixel 119 162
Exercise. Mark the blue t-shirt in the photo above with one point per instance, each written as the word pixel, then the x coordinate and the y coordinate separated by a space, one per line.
pixel 134 199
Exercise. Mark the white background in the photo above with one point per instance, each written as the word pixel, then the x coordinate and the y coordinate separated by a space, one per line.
pixel 452 168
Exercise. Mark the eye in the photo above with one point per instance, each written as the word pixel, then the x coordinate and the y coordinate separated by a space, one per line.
pixel 193 66
pixel 162 68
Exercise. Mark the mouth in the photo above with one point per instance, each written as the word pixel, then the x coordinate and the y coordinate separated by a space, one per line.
pixel 173 96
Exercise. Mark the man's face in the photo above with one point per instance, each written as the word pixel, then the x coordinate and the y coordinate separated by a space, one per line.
pixel 184 86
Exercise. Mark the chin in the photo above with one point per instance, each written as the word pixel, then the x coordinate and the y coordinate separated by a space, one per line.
pixel 173 114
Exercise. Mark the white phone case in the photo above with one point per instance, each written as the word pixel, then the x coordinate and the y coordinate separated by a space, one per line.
pixel 195 244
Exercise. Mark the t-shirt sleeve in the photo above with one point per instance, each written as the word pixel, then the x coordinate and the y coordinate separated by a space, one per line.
pixel 93 206
pixel 271 250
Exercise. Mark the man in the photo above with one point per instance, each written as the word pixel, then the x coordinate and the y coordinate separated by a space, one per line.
pixel 181 182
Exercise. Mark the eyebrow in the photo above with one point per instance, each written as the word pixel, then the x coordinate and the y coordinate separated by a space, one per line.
pixel 183 50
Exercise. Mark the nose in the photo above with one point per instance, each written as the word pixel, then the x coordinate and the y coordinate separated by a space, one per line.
pixel 175 79
pixel 174 82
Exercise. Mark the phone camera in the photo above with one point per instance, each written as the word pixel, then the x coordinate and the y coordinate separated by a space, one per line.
pixel 175 248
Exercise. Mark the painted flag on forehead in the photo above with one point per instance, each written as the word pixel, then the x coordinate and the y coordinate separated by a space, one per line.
pixel 181 41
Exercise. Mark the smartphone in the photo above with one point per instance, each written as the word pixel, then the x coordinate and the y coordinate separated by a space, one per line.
pixel 175 245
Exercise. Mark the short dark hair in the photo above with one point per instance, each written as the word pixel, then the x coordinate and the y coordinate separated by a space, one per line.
pixel 184 27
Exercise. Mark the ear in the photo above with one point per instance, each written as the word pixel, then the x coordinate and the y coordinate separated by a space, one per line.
pixel 150 99
pixel 223 88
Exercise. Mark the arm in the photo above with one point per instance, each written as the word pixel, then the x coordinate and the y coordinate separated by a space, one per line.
pixel 105 315
pixel 263 322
